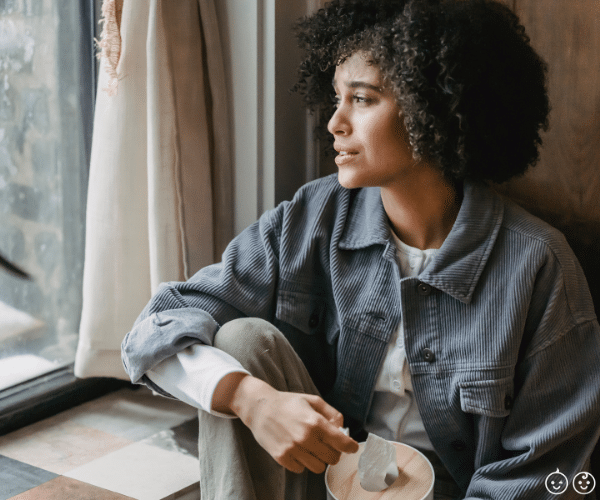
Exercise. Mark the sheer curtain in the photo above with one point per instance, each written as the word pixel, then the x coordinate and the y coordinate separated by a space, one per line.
pixel 159 199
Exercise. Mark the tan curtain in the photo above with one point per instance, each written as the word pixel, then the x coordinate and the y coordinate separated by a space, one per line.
pixel 159 199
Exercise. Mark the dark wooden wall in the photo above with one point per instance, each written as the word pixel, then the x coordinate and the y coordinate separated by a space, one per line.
pixel 564 188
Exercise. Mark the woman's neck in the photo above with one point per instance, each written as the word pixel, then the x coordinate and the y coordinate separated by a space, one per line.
pixel 422 209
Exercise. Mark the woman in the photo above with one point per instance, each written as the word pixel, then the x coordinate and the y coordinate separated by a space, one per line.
pixel 402 296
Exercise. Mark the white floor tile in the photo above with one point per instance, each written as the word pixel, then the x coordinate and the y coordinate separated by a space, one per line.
pixel 141 471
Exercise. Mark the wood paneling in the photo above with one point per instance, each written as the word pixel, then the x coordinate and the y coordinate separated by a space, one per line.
pixel 564 188
pixel 567 179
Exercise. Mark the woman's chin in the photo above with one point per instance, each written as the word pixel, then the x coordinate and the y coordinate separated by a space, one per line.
pixel 353 180
pixel 348 180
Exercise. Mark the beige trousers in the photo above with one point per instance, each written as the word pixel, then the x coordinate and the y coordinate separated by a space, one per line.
pixel 233 466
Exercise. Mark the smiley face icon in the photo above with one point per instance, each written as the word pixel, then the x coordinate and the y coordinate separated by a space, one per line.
pixel 584 483
pixel 557 483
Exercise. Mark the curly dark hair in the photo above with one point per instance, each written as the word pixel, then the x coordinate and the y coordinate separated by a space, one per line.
pixel 472 89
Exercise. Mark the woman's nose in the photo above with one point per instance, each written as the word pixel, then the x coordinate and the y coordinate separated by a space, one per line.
pixel 339 124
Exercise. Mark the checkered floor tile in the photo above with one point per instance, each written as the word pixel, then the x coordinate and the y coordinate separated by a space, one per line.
pixel 126 445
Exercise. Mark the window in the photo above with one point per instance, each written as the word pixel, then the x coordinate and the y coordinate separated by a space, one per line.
pixel 47 87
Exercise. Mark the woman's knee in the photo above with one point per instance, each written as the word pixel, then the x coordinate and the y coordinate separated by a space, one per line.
pixel 265 352
pixel 245 338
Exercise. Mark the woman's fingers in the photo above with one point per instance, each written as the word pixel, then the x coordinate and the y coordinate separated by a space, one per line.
pixel 301 443
pixel 333 436
pixel 311 462
pixel 301 458
pixel 299 431
pixel 326 453
pixel 320 442
pixel 293 465
pixel 314 448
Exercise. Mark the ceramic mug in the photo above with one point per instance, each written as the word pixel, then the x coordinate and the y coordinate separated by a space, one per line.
pixel 415 481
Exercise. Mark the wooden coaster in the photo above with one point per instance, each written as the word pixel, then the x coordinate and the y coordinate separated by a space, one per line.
pixel 415 481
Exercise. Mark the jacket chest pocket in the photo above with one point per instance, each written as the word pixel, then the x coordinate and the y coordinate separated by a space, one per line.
pixel 490 398
pixel 304 321
pixel 306 312
pixel 300 310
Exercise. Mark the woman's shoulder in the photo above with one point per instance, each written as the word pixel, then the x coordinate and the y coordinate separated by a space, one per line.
pixel 321 189
pixel 318 204
pixel 317 199
pixel 536 236
pixel 529 227
pixel 552 255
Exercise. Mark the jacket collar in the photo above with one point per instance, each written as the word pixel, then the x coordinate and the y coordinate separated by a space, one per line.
pixel 458 265
pixel 367 223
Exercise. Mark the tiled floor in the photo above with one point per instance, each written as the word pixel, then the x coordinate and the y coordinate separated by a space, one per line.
pixel 127 444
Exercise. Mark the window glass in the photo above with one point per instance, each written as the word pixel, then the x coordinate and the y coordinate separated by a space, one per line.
pixel 44 143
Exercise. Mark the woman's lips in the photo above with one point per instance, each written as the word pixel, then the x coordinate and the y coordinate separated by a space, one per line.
pixel 344 157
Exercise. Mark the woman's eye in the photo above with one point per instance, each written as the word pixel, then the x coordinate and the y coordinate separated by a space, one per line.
pixel 363 100
pixel 356 98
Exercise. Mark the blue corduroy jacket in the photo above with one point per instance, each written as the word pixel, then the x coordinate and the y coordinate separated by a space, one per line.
pixel 500 332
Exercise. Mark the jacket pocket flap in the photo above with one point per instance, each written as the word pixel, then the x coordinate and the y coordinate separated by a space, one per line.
pixel 300 310
pixel 491 398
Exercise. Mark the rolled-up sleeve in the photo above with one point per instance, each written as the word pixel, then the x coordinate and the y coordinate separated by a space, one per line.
pixel 182 314
pixel 192 375
pixel 162 335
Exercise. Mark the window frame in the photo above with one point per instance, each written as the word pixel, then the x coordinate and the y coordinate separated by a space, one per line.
pixel 59 390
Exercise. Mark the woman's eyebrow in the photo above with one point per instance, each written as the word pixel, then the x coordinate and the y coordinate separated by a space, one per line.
pixel 360 84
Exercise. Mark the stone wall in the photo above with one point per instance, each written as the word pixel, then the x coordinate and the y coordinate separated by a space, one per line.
pixel 43 167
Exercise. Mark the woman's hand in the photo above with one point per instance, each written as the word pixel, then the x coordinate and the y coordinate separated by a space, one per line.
pixel 298 430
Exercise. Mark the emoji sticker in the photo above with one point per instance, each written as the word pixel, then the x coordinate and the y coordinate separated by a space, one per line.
pixel 584 483
pixel 557 482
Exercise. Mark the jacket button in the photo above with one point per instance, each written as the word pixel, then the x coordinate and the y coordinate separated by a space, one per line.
pixel 458 445
pixel 314 320
pixel 508 402
pixel 428 355
pixel 423 288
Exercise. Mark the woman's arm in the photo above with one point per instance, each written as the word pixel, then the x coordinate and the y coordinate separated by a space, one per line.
pixel 298 430
pixel 554 423
pixel 182 314
pixel 192 375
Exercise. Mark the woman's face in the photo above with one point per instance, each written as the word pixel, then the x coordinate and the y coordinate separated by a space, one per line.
pixel 370 136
